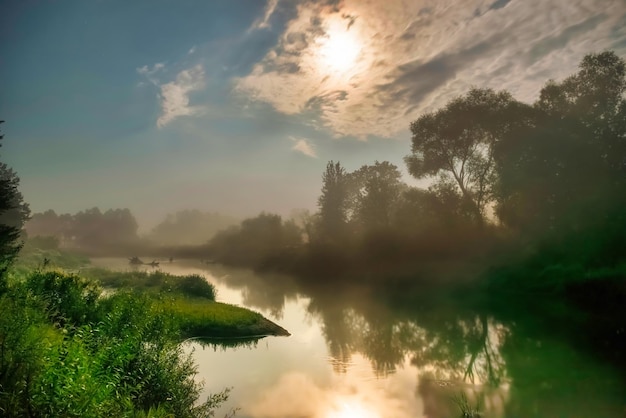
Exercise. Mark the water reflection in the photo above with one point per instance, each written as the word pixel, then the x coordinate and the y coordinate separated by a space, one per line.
pixel 455 360
pixel 353 355
pixel 225 343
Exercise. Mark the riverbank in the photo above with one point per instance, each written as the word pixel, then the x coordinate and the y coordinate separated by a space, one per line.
pixel 191 302
pixel 70 348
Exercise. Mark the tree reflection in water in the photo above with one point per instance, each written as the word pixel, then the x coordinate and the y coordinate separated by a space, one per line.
pixel 508 368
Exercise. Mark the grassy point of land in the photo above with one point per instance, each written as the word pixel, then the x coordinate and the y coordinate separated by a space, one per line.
pixel 191 302
pixel 198 318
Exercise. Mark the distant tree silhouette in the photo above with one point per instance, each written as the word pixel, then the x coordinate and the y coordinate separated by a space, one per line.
pixel 13 213
pixel 334 202
pixel 89 230
pixel 188 227
pixel 48 223
pixel 256 240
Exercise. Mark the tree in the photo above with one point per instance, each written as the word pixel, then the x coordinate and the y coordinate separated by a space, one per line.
pixel 455 144
pixel 47 223
pixel 333 202
pixel 92 229
pixel 568 167
pixel 377 190
pixel 256 240
pixel 190 227
pixel 13 213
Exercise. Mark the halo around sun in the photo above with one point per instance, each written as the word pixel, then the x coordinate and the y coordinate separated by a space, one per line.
pixel 339 49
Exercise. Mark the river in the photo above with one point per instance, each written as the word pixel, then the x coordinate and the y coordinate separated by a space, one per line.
pixel 351 355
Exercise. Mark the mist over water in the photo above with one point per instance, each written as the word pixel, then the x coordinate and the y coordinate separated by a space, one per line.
pixel 353 354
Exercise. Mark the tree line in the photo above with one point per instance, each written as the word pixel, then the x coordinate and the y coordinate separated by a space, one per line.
pixel 113 230
pixel 548 175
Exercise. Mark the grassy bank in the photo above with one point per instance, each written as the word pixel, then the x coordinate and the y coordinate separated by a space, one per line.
pixel 68 348
pixel 191 302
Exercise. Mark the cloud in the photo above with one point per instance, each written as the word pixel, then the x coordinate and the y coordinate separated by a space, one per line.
pixel 264 22
pixel 498 4
pixel 303 146
pixel 355 393
pixel 413 57
pixel 149 73
pixel 175 95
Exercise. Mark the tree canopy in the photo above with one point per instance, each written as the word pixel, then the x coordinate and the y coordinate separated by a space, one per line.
pixel 13 213
pixel 455 144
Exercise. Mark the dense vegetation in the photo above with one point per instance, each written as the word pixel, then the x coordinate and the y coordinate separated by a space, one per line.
pixel 68 348
pixel 65 350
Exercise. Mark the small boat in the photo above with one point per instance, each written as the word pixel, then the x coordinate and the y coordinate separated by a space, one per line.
pixel 154 263
pixel 135 261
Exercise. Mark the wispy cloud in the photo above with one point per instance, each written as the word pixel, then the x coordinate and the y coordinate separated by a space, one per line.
pixel 150 72
pixel 175 95
pixel 303 146
pixel 415 56
pixel 264 22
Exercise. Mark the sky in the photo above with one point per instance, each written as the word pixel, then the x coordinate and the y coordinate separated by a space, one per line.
pixel 237 105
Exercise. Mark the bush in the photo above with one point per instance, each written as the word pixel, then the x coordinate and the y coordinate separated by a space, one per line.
pixel 66 351
pixel 194 285
pixel 68 298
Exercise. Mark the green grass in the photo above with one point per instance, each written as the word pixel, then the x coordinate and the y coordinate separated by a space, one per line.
pixel 33 258
pixel 68 349
pixel 199 318
pixel 156 282
pixel 190 302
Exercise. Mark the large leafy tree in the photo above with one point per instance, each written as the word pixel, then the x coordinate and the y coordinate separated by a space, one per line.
pixel 13 213
pixel 455 145
pixel 377 190
pixel 568 167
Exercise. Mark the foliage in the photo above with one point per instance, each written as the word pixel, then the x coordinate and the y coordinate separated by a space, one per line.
pixel 64 351
pixel 255 241
pixel 69 300
pixel 190 227
pixel 456 144
pixel 90 230
pixel 569 166
pixel 13 213
pixel 333 203
pixel 193 285
pixel 377 190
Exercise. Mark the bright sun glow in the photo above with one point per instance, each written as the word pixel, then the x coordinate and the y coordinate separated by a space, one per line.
pixel 351 410
pixel 339 51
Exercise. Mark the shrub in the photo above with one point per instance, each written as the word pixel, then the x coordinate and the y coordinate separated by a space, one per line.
pixel 68 298
pixel 194 285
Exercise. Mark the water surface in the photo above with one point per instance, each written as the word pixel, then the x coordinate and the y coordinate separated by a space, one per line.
pixel 351 355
